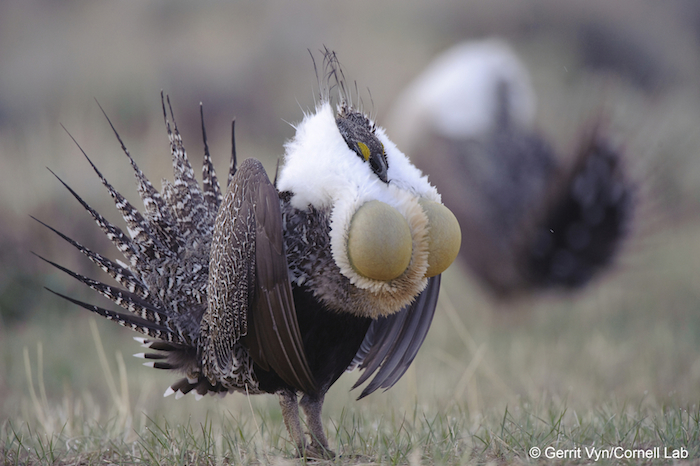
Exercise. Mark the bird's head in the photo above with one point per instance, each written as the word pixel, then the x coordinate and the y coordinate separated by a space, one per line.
pixel 389 232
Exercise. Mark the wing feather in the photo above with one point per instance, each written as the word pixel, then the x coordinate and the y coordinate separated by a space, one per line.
pixel 277 329
pixel 250 296
pixel 392 342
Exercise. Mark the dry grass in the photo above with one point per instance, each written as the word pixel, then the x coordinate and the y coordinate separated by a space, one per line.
pixel 616 366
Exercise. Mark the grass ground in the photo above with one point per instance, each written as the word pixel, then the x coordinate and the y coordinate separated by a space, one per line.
pixel 616 366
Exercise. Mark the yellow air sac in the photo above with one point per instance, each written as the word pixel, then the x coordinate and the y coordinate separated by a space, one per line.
pixel 444 237
pixel 379 241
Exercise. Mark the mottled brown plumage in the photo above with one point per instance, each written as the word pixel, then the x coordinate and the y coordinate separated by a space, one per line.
pixel 248 268
pixel 242 292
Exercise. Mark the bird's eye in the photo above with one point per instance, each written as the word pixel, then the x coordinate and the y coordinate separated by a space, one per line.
pixel 364 150
pixel 360 138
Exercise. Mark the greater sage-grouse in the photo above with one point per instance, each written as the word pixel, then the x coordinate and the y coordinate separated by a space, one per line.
pixel 280 289
pixel 530 220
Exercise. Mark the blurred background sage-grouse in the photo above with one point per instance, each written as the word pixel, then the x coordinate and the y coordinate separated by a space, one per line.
pixel 280 288
pixel 531 220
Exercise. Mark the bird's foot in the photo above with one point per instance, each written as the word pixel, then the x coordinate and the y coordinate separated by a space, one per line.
pixel 316 451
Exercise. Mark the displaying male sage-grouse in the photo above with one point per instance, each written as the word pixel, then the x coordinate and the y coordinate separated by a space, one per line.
pixel 530 220
pixel 280 289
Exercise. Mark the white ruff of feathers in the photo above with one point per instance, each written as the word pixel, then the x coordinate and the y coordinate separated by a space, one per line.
pixel 321 171
pixel 457 95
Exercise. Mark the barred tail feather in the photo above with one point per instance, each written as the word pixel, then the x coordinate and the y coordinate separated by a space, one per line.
pixel 138 227
pixel 188 203
pixel 210 183
pixel 158 213
pixel 114 233
pixel 123 298
pixel 121 275
pixel 182 169
pixel 135 323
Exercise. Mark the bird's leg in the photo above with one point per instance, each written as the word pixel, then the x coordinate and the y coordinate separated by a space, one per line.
pixel 312 409
pixel 290 414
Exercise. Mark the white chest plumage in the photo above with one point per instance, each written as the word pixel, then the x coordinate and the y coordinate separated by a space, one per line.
pixel 324 174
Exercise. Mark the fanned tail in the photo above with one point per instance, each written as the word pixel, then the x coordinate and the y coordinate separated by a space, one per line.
pixel 133 322
pixel 210 183
pixel 120 274
pixel 163 286
pixel 129 301
pixel 582 231
pixel 184 195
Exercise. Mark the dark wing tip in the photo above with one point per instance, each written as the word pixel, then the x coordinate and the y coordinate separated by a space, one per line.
pixel 266 317
pixel 392 343
pixel 274 308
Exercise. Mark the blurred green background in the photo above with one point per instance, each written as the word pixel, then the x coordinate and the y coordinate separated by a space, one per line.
pixel 633 335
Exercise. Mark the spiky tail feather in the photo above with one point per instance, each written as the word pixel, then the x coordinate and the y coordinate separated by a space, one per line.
pixel 582 232
pixel 159 245
pixel 158 213
pixel 121 275
pixel 136 323
pixel 169 356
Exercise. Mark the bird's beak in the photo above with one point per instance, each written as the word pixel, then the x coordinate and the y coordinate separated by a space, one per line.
pixel 379 166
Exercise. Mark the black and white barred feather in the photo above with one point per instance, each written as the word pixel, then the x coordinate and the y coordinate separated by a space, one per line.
pixel 163 285
pixel 253 290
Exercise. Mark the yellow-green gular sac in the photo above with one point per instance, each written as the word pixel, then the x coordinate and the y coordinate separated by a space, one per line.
pixel 379 241
pixel 444 237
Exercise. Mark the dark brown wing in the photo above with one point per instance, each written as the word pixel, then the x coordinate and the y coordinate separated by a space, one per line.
pixel 249 294
pixel 274 338
pixel 392 342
